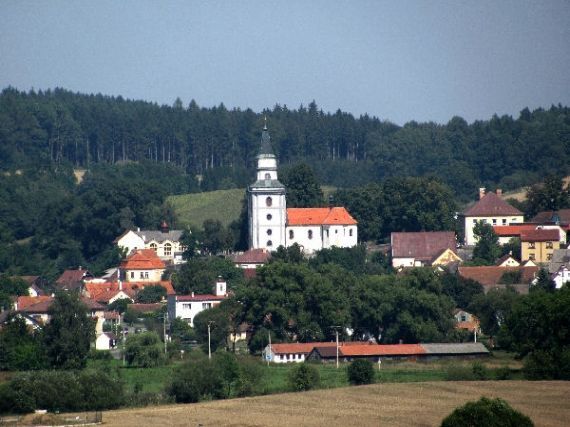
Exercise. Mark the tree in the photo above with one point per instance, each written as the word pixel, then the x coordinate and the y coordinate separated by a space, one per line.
pixel 486 412
pixel 544 282
pixel 144 350
pixel 361 371
pixel 218 320
pixel 69 333
pixel 303 377
pixel 151 294
pixel 552 195
pixel 216 237
pixel 487 249
pixel 20 349
pixel 303 189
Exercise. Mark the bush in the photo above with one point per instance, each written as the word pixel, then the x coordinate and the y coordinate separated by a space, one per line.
pixel 196 380
pixel 503 373
pixel 486 412
pixel 303 377
pixel 361 371
pixel 480 372
pixel 459 373
pixel 548 365
pixel 144 350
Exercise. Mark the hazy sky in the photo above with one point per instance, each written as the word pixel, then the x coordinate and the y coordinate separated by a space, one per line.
pixel 399 60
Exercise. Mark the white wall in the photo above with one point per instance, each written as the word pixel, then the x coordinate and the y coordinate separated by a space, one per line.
pixel 498 220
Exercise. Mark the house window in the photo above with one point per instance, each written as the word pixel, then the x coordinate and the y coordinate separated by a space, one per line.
pixel 132 274
pixel 504 220
pixel 267 176
pixel 269 232
pixel 269 243
pixel 167 249
pixel 187 306
pixel 474 221
pixel 146 274
pixel 310 234
pixel 463 318
pixel 549 245
pixel 549 257
pixel 153 246
pixel 206 305
pixel 291 234
pixel 531 245
pixel 269 216
pixel 268 201
pixel 350 232
pixel 494 221
pixel 531 257
pixel 142 275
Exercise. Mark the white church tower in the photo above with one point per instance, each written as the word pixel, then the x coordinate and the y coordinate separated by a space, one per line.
pixel 266 201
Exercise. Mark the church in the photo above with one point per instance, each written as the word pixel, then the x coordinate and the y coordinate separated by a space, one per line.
pixel 272 225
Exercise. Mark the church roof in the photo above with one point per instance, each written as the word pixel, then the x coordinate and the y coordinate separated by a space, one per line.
pixel 492 205
pixel 319 216
pixel 266 148
pixel 267 183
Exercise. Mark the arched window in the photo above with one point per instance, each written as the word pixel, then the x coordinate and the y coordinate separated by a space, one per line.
pixel 269 216
pixel 291 234
pixel 167 249
pixel 268 201
pixel 310 234
pixel 269 243
pixel 267 176
pixel 269 232
pixel 153 246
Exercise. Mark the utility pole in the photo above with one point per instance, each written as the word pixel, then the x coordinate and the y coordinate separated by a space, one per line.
pixel 209 340
pixel 164 318
pixel 269 355
pixel 336 328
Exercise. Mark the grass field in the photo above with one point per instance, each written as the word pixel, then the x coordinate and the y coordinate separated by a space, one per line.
pixel 193 209
pixel 403 404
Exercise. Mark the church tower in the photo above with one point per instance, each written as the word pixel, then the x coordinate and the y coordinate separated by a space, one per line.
pixel 266 201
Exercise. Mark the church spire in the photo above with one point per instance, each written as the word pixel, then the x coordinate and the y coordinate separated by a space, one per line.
pixel 265 141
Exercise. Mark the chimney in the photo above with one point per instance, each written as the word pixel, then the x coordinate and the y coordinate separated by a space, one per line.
pixel 192 294
pixel 164 226
pixel 481 192
pixel 499 192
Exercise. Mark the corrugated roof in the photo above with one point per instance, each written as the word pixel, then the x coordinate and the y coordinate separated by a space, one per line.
pixel 319 216
pixel 455 348
pixel 423 245
pixel 492 205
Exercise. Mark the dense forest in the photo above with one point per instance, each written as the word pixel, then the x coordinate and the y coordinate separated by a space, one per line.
pixel 54 127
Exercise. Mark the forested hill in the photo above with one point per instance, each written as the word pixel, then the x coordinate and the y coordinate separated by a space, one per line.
pixel 58 126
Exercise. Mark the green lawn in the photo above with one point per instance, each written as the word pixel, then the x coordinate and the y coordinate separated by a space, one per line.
pixel 193 209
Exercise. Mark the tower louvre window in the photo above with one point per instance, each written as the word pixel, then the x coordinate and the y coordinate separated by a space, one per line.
pixel 268 201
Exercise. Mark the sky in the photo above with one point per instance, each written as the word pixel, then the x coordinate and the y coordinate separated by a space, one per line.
pixel 398 61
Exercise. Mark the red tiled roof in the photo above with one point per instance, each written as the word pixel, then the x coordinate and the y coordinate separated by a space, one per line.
pixel 41 304
pixel 69 277
pixel 491 275
pixel 382 350
pixel 512 230
pixel 422 245
pixel 143 259
pixel 319 216
pixel 546 216
pixel 26 301
pixel 306 347
pixel 540 235
pixel 201 297
pixel 253 256
pixel 492 205
pixel 130 288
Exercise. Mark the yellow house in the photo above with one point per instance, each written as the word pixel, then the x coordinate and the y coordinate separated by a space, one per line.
pixel 539 245
pixel 490 209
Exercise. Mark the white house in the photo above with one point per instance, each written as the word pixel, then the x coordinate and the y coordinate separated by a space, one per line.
pixel 272 225
pixel 490 209
pixel 164 242
pixel 105 341
pixel 186 307
pixel 562 276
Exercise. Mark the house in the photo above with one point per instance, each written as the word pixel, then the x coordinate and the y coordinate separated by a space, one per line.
pixel 423 248
pixel 560 217
pixel 108 292
pixel 490 209
pixel 187 307
pixel 494 277
pixel 558 267
pixel 142 265
pixel 106 341
pixel 165 243
pixel 507 260
pixel 297 352
pixel 465 320
pixel 508 232
pixel 250 260
pixel 73 280
pixel 539 245
pixel 36 285
pixel 271 224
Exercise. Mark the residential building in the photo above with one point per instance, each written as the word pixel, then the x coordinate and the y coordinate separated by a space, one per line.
pixel 494 277
pixel 508 232
pixel 272 225
pixel 187 307
pixel 73 280
pixel 250 260
pixel 465 320
pixel 142 265
pixel 423 248
pixel 558 268
pixel 507 261
pixel 297 352
pixel 490 209
pixel 539 245
pixel 165 243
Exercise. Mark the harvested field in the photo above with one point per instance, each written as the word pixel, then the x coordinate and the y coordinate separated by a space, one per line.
pixel 411 404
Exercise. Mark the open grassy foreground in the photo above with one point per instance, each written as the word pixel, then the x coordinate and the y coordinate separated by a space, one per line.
pixel 400 404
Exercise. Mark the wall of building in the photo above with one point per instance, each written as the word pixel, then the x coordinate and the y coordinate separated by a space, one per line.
pixel 470 222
